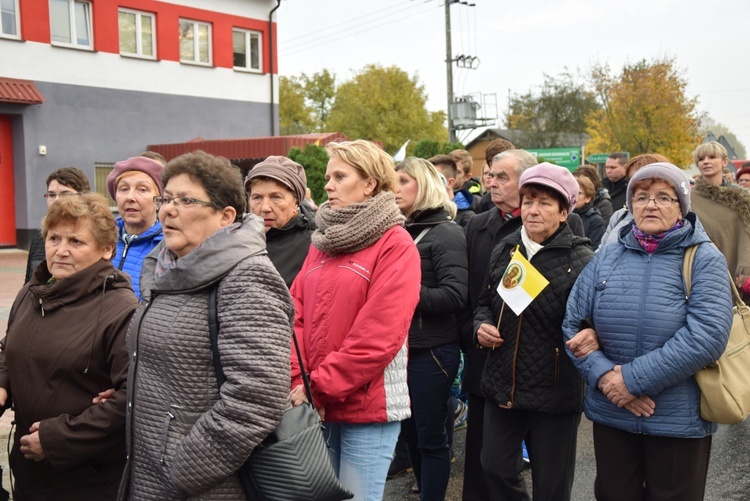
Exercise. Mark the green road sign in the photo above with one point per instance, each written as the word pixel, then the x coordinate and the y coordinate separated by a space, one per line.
pixel 598 158
pixel 564 157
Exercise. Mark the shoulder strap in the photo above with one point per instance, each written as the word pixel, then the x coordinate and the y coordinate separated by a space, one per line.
pixel 687 268
pixel 422 234
pixel 213 330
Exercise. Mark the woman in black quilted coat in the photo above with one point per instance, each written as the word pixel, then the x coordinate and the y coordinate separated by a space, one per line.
pixel 530 384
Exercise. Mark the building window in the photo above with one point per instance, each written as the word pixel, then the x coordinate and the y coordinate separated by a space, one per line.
pixel 246 49
pixel 70 23
pixel 195 42
pixel 101 171
pixel 137 37
pixel 9 19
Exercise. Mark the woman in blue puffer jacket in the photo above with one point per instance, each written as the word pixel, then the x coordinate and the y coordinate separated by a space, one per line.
pixel 649 439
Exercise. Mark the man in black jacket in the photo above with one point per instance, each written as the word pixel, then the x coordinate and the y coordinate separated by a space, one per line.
pixel 616 180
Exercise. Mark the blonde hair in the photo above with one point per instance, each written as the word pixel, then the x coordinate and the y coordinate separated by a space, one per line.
pixel 431 192
pixel 712 148
pixel 369 160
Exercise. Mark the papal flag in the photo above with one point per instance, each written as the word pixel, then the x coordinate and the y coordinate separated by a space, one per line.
pixel 521 283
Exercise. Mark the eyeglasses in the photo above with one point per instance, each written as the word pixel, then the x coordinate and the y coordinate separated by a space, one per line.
pixel 184 201
pixel 659 201
pixel 51 195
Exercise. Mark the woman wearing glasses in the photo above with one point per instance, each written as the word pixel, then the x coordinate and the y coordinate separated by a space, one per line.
pixel 187 438
pixel 133 184
pixel 649 439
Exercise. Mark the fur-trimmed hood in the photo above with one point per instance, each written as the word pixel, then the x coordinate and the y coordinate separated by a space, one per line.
pixel 735 198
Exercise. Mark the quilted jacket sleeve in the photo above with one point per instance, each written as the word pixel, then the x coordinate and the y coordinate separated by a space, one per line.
pixel 580 308
pixel 448 255
pixel 380 327
pixel 698 343
pixel 255 321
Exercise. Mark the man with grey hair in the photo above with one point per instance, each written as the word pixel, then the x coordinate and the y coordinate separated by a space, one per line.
pixel 483 232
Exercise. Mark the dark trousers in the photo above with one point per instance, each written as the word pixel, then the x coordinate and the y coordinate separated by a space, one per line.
pixel 430 374
pixel 632 467
pixel 475 486
pixel 552 453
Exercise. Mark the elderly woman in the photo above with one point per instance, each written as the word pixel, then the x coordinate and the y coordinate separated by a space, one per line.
pixel 530 385
pixel 434 352
pixel 354 300
pixel 724 210
pixel 133 184
pixel 649 439
pixel 65 343
pixel 276 188
pixel 187 438
pixel 622 217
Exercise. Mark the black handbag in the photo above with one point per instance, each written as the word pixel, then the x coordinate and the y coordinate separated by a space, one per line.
pixel 292 463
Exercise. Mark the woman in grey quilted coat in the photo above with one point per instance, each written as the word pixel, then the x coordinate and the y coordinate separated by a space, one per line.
pixel 187 438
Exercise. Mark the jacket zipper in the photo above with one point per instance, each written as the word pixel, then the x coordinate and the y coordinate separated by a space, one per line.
pixel 557 368
pixel 514 368
pixel 124 255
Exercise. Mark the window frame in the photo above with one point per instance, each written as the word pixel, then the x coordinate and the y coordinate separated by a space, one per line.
pixel 17 14
pixel 139 14
pixel 248 33
pixel 72 26
pixel 196 42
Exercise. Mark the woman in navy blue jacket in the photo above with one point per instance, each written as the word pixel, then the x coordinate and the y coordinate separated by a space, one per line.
pixel 649 439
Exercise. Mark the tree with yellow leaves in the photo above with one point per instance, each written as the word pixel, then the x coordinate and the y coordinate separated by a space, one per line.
pixel 645 109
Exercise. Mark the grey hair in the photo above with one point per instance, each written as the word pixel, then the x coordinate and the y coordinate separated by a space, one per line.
pixel 524 158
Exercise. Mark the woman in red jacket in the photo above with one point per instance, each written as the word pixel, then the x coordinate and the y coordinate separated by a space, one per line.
pixel 354 298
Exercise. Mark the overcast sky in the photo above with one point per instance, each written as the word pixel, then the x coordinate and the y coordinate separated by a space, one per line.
pixel 517 42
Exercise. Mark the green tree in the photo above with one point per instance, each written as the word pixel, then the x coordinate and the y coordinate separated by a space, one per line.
pixel 553 116
pixel 320 92
pixel 386 105
pixel 295 115
pixel 426 149
pixel 315 160
pixel 645 109
pixel 448 147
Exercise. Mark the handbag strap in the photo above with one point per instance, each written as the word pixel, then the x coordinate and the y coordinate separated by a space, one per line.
pixel 213 330
pixel 687 275
pixel 422 234
pixel 687 268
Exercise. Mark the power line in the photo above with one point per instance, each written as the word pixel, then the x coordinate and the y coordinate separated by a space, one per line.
pixel 350 28
pixel 306 47
pixel 338 25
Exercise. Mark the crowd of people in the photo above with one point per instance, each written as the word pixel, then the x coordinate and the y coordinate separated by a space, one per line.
pixel 392 287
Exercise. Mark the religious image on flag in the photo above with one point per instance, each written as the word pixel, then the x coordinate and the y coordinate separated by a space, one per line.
pixel 521 283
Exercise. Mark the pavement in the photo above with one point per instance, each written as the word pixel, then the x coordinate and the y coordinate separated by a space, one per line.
pixel 728 476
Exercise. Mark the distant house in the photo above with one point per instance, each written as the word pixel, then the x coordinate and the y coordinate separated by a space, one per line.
pixel 87 83
pixel 476 142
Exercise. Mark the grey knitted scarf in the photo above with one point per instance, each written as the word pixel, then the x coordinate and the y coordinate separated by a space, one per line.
pixel 356 226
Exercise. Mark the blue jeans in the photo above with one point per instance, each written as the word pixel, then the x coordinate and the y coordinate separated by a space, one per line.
pixel 430 374
pixel 361 455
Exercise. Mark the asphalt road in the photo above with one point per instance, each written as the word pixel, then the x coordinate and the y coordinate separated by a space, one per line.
pixel 728 476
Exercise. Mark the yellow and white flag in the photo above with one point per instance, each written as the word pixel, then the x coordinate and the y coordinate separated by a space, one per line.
pixel 521 283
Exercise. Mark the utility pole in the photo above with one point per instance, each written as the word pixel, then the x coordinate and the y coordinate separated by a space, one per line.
pixel 449 68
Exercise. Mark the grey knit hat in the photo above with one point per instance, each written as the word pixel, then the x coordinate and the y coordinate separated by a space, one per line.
pixel 666 172
pixel 287 172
